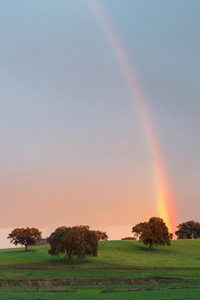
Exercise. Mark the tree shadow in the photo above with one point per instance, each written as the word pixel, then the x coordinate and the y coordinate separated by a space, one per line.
pixel 154 249
pixel 142 247
pixel 76 262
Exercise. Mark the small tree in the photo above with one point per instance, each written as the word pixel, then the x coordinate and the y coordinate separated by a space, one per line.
pixel 188 230
pixel 77 241
pixel 129 238
pixel 153 232
pixel 24 236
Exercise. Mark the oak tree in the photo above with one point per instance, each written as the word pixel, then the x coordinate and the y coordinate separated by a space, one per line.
pixel 77 241
pixel 153 232
pixel 24 236
pixel 188 230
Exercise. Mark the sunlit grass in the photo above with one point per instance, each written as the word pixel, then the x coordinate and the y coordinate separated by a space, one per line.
pixel 181 254
pixel 124 264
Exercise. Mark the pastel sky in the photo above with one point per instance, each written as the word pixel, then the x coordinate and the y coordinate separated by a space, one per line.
pixel 73 148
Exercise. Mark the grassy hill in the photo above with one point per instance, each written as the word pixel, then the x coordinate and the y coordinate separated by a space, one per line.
pixel 181 254
pixel 120 264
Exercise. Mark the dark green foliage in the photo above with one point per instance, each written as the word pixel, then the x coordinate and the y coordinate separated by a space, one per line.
pixel 188 230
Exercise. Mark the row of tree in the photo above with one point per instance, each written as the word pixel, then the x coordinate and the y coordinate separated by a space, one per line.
pixel 77 241
pixel 80 241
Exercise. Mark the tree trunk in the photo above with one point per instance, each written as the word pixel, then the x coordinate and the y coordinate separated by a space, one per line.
pixel 150 246
pixel 26 247
pixel 69 258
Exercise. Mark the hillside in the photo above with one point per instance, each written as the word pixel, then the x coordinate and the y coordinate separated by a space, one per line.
pixel 122 264
pixel 181 254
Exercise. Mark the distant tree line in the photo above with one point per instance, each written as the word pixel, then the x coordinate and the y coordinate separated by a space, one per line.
pixel 80 241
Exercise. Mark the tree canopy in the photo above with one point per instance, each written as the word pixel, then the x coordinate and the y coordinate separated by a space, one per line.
pixel 77 241
pixel 24 236
pixel 153 232
pixel 188 230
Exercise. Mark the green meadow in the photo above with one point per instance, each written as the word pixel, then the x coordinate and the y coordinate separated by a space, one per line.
pixel 122 270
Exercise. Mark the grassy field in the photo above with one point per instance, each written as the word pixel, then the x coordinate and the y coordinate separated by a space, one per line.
pixel 122 270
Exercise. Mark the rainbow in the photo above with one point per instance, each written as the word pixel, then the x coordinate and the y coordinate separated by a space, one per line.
pixel 164 199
